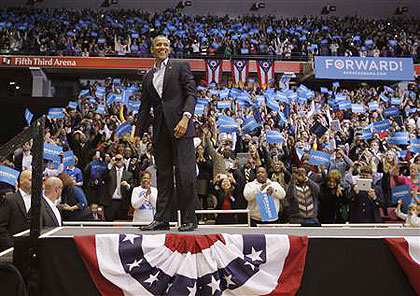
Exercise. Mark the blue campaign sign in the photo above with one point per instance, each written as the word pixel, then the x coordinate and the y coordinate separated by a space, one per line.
pixel 249 124
pixel 318 157
pixel 399 138
pixel 8 175
pixel 203 101
pixel 401 192
pixel 228 128
pixel 364 68
pixel 224 104
pixel 266 207
pixel 391 112
pixel 373 106
pixel 381 125
pixel 100 109
pixel 384 98
pixel 357 108
pixel 28 116
pixel 367 134
pixel 52 152
pixel 395 101
pixel 72 105
pixel 199 109
pixel 415 145
pixel 68 159
pixel 345 105
pixel 55 113
pixel 274 137
pixel 124 128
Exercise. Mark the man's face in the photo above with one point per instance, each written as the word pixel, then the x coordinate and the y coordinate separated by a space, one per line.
pixel 25 182
pixel 161 48
pixel 261 175
pixel 127 152
pixel 227 152
pixel 26 147
pixel 119 161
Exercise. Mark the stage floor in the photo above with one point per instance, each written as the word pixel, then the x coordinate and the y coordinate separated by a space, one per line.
pixel 313 232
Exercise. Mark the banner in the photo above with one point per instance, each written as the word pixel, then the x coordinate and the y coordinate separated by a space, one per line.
pixel 357 108
pixel 214 71
pixel 274 137
pixel 364 68
pixel 367 134
pixel 415 145
pixel 382 125
pixel 399 138
pixel 100 109
pixel 28 116
pixel 8 175
pixel 55 113
pixel 249 125
pixel 266 207
pixel 52 152
pixel 373 106
pixel 123 128
pixel 391 112
pixel 72 105
pixel 185 264
pixel 224 104
pixel 227 124
pixel 240 71
pixel 318 157
pixel 401 192
pixel 199 109
pixel 68 159
pixel 265 71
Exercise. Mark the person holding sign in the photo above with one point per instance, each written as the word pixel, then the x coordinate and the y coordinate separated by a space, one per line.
pixel 262 185
pixel 169 89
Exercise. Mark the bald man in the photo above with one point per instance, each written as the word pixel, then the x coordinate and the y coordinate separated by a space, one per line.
pixel 50 215
pixel 14 210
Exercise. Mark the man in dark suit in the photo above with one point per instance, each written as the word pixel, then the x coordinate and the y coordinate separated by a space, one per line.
pixel 23 161
pixel 170 89
pixel 117 196
pixel 15 208
pixel 50 215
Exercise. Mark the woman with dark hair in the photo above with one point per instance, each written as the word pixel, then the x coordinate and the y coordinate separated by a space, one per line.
pixel 143 200
pixel 223 198
pixel 73 203
pixel 205 170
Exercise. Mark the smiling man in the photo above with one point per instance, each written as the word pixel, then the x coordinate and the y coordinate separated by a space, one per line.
pixel 169 89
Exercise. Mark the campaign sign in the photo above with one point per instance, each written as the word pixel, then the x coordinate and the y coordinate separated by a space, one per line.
pixel 224 104
pixel 357 108
pixel 8 175
pixel 72 105
pixel 401 192
pixel 318 157
pixel 28 116
pixel 199 109
pixel 56 113
pixel 266 207
pixel 52 152
pixel 367 134
pixel 382 125
pixel 373 106
pixel 100 109
pixel 274 137
pixel 399 138
pixel 124 128
pixel 68 159
pixel 391 112
pixel 228 127
pixel 364 68
pixel 415 145
pixel 249 124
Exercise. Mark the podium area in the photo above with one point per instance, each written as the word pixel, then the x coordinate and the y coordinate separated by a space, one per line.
pixel 340 260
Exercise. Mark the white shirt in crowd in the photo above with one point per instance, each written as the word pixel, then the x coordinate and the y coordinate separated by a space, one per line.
pixel 144 205
pixel 54 209
pixel 27 161
pixel 117 192
pixel 26 200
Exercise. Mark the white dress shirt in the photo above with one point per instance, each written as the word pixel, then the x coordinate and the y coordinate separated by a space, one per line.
pixel 54 209
pixel 26 200
pixel 158 74
pixel 26 161
pixel 117 192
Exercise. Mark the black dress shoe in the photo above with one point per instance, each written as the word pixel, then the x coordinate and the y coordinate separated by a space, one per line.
pixel 156 225
pixel 188 227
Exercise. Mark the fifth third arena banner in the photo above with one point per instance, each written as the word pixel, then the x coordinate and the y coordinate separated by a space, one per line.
pixel 265 69
pixel 214 71
pixel 175 264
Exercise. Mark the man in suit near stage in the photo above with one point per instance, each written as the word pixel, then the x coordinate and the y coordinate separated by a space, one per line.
pixel 117 196
pixel 23 161
pixel 50 215
pixel 170 89
pixel 14 209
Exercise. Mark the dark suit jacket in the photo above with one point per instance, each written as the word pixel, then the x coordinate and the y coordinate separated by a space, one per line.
pixel 178 96
pixel 111 184
pixel 13 217
pixel 48 218
pixel 17 161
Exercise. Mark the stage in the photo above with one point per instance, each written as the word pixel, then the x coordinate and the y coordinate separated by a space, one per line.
pixel 346 260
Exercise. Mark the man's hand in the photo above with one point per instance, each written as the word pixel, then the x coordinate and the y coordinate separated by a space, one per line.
pixel 372 194
pixel 181 127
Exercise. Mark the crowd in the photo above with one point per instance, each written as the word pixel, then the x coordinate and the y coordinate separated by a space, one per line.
pixel 265 140
pixel 127 33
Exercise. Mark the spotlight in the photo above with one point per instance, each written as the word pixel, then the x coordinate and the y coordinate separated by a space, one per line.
pixel 257 5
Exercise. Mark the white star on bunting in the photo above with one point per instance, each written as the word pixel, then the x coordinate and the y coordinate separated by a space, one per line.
pixel 192 290
pixel 152 278
pixel 214 285
pixel 130 238
pixel 229 280
pixel 250 264
pixel 134 264
pixel 255 256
